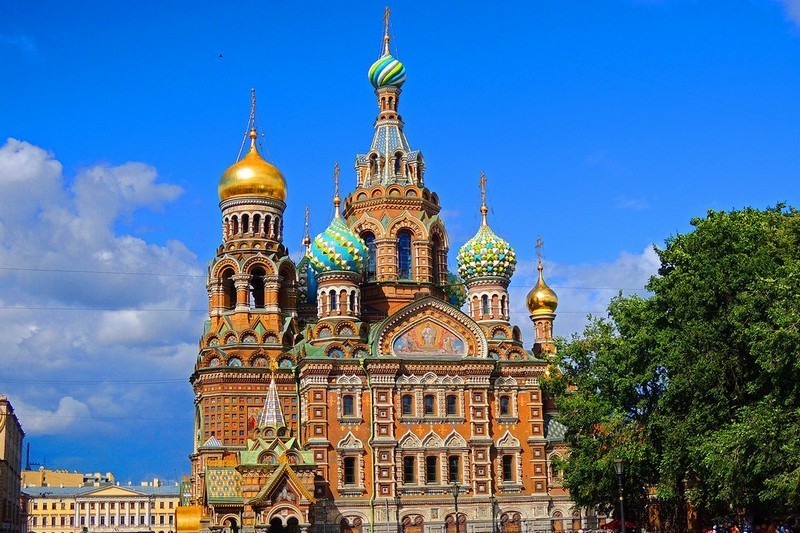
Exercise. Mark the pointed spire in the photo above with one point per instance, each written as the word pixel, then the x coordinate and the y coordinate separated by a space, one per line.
pixel 271 414
pixel 336 200
pixel 252 120
pixel 539 246
pixel 484 209
pixel 307 238
pixel 386 31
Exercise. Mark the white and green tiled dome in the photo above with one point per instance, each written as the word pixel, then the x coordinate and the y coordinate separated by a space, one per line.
pixel 337 249
pixel 484 255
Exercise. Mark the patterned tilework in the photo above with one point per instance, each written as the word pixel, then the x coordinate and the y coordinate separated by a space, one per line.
pixel 553 429
pixel 486 254
pixel 223 484
pixel 271 414
pixel 337 248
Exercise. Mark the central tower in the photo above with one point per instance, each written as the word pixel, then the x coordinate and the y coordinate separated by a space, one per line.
pixel 392 211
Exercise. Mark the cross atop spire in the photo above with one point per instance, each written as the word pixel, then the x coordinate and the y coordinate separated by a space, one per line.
pixel 336 200
pixel 307 238
pixel 539 245
pixel 386 31
pixel 484 209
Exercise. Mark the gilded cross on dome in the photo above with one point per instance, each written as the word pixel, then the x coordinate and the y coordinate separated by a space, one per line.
pixel 307 238
pixel 539 245
pixel 386 31
pixel 484 209
pixel 336 199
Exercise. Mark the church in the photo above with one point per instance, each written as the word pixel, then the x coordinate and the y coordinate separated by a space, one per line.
pixel 366 388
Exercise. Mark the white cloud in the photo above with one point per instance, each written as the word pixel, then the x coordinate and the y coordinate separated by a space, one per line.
pixel 582 289
pixel 69 415
pixel 91 316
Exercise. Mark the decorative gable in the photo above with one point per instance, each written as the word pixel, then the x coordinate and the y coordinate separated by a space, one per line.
pixel 430 327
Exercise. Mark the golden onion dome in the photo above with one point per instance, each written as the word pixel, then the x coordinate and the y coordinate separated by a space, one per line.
pixel 542 300
pixel 252 176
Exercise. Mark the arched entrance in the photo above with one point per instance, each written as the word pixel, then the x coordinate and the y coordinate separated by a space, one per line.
pixel 413 524
pixel 276 525
pixel 231 525
pixel 452 527
pixel 510 523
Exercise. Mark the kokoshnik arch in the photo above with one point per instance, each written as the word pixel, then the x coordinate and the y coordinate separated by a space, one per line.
pixel 349 392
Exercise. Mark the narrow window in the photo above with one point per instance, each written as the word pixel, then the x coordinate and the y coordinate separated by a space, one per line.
pixel 428 403
pixel 245 223
pixel 485 305
pixel 408 404
pixel 348 408
pixel 453 465
pixel 349 470
pixel 257 288
pixel 431 465
pixel 404 255
pixel 508 470
pixel 451 405
pixel 371 268
pixel 334 303
pixel 228 290
pixel 408 470
pixel 504 406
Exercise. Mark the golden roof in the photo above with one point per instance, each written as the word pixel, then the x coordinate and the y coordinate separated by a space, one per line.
pixel 541 300
pixel 252 176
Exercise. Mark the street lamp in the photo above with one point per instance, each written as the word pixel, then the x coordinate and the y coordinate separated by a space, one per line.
pixel 619 468
pixel 495 505
pixel 456 490
pixel 325 519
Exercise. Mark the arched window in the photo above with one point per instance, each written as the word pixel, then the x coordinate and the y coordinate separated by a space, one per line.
pixel 508 468
pixel 228 289
pixel 453 467
pixel 428 403
pixel 398 158
pixel 371 268
pixel 408 404
pixel 504 406
pixel 436 266
pixel 485 305
pixel 235 225
pixel 333 301
pixel 256 223
pixel 352 303
pixel 431 469
pixel 451 405
pixel 349 470
pixel 408 470
pixel 348 405
pixel 257 288
pixel 404 255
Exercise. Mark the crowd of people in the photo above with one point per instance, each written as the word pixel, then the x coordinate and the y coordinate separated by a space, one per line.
pixel 773 526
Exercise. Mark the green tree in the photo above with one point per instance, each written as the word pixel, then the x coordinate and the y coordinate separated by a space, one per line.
pixel 698 385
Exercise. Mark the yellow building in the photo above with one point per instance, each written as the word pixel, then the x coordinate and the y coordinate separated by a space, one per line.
pixel 11 434
pixel 107 508
pixel 45 477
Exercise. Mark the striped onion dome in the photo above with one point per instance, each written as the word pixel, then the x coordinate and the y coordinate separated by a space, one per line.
pixel 387 71
pixel 337 248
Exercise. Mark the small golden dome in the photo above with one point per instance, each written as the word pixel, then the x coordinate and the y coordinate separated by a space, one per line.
pixel 542 300
pixel 252 176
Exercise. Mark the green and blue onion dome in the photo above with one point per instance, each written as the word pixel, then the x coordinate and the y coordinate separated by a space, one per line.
pixel 337 249
pixel 387 71
pixel 486 255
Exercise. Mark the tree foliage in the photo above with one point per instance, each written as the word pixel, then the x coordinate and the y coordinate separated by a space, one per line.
pixel 697 387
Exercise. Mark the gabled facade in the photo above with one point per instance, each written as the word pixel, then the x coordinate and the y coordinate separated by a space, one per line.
pixel 350 392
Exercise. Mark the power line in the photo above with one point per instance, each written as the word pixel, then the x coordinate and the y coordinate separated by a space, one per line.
pixel 122 273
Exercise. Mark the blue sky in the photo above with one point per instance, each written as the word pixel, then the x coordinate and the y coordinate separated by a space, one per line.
pixel 603 126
